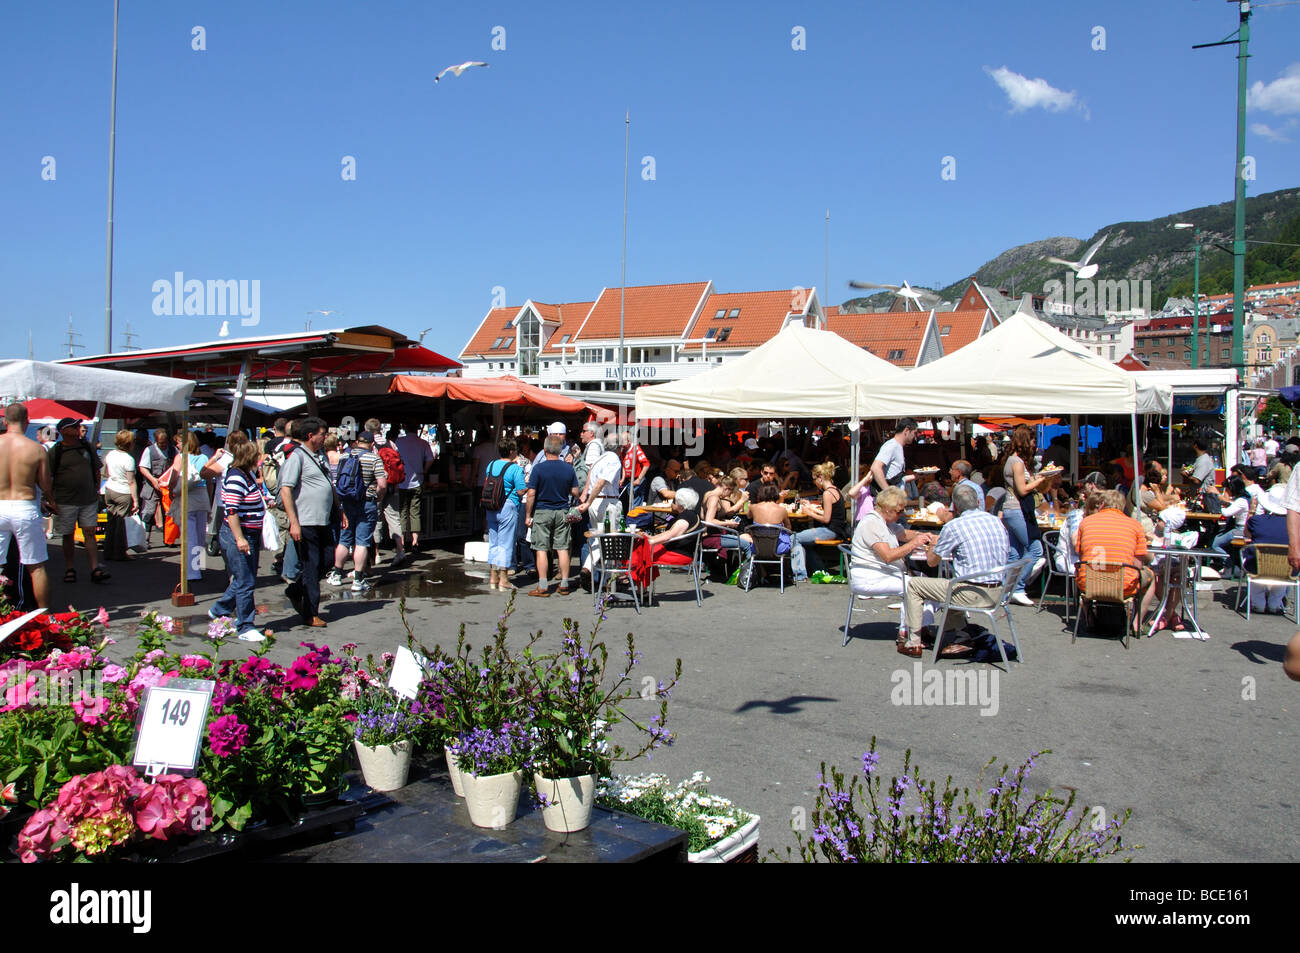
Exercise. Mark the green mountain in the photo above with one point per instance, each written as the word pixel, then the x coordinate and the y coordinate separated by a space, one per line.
pixel 1154 250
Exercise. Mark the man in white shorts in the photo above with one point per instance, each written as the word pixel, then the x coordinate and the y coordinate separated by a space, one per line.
pixel 24 470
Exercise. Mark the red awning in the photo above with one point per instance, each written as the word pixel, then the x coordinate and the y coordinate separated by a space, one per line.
pixel 1017 421
pixel 510 391
pixel 42 412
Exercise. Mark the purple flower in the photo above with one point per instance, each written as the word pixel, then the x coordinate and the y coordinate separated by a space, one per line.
pixel 869 762
pixel 227 735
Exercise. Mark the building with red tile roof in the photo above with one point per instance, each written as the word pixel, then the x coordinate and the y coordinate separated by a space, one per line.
pixel 904 338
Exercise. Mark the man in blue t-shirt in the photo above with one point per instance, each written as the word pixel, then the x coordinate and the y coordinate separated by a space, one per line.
pixel 551 488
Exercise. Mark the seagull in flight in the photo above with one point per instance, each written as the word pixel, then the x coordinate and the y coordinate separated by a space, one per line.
pixel 422 334
pixel 457 70
pixel 225 330
pixel 912 295
pixel 1081 268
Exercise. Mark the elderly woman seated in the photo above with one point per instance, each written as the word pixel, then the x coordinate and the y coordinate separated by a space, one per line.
pixel 936 501
pixel 880 546
pixel 669 547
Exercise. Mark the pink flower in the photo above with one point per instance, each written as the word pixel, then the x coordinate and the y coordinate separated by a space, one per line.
pixel 42 831
pixel 102 616
pixel 227 735
pixel 113 674
pixel 153 656
pixel 20 696
pixel 302 673
pixel 189 797
pixel 223 694
pixel 195 661
pixel 90 711
pixel 155 814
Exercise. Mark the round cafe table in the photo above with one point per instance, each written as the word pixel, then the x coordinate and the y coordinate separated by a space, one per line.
pixel 1188 563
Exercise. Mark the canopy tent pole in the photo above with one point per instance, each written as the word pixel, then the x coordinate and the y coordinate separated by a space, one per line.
pixel 1169 462
pixel 309 387
pixel 182 595
pixel 1074 448
pixel 1133 488
pixel 855 427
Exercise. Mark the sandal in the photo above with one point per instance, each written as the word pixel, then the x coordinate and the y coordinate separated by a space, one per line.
pixel 98 575
pixel 70 576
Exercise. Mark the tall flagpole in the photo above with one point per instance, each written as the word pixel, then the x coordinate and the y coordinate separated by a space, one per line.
pixel 622 296
pixel 112 151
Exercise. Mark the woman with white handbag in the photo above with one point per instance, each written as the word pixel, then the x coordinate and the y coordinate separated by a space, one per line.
pixel 241 540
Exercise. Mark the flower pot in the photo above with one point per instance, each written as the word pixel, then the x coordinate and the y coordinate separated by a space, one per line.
pixel 454 772
pixel 493 799
pixel 568 801
pixel 385 767
pixel 731 848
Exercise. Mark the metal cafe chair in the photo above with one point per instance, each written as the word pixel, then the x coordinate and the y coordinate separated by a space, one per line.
pixel 1055 546
pixel 846 552
pixel 1000 603
pixel 1104 583
pixel 1271 571
pixel 695 568
pixel 725 553
pixel 765 537
pixel 615 557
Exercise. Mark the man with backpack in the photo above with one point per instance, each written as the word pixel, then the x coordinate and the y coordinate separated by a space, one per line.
pixel 394 474
pixel 417 462
pixel 360 484
pixel 74 470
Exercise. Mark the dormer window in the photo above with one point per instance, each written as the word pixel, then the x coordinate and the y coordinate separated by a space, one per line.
pixel 724 334
pixel 710 334
pixel 896 354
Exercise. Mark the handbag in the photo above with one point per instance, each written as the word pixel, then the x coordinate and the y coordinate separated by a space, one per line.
pixel 135 532
pixel 270 536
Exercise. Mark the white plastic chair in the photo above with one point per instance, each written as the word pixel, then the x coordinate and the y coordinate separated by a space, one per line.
pixel 1010 573
pixel 847 550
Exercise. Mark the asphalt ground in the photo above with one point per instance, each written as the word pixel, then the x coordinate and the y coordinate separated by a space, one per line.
pixel 1196 738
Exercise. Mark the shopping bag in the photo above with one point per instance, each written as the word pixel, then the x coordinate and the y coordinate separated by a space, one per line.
pixel 135 534
pixel 270 536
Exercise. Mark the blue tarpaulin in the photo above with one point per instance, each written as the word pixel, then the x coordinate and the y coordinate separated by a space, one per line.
pixel 1089 437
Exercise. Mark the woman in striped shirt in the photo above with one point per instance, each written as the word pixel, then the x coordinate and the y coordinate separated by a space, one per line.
pixel 241 540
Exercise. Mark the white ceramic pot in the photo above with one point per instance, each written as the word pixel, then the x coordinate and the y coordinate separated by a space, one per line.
pixel 568 801
pixel 493 799
pixel 730 847
pixel 454 772
pixel 385 766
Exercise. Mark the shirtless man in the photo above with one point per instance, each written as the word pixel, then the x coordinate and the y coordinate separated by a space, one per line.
pixel 24 468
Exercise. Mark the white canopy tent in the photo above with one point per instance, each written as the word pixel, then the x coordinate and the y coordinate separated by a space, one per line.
pixel 1024 365
pixel 120 390
pixel 801 372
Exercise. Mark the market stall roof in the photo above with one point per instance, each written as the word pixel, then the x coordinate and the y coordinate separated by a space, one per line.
pixel 507 391
pixel 42 412
pixel 281 357
pixel 1024 365
pixel 124 394
pixel 801 372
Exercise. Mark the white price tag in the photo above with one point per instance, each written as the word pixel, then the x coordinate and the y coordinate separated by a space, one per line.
pixel 13 625
pixel 171 726
pixel 408 671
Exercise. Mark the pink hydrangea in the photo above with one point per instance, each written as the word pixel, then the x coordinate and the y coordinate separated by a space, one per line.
pixel 42 831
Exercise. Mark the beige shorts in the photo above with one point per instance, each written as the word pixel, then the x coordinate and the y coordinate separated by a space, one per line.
pixel 69 517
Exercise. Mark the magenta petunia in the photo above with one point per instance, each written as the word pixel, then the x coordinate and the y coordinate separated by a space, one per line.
pixel 227 735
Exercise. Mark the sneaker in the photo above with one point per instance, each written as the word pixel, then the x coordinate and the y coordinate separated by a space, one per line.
pixel 251 635
pixel 335 578
pixel 361 583
pixel 1037 569
pixel 212 614
pixel 1020 599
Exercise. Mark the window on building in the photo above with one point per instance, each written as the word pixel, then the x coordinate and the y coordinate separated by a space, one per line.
pixel 1171 355
pixel 530 343
pixel 735 313
pixel 724 334
pixel 945 330
pixel 1187 356
pixel 1225 354
pixel 721 313
pixel 507 342
pixel 710 334
pixel 510 323
pixel 496 344
pixel 896 354
pixel 565 339
pixel 609 355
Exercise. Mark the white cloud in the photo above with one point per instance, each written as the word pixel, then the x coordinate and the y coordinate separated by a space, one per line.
pixel 1282 96
pixel 1268 132
pixel 1025 93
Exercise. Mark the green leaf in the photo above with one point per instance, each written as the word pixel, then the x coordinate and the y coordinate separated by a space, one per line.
pixel 38 780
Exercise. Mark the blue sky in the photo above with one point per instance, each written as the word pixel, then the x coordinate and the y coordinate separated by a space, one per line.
pixel 229 159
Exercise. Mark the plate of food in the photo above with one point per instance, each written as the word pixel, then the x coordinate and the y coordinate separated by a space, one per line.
pixel 924 471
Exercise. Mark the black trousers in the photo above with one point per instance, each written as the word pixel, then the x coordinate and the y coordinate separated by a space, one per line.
pixel 315 556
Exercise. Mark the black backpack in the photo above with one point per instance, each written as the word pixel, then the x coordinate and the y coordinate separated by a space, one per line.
pixel 494 489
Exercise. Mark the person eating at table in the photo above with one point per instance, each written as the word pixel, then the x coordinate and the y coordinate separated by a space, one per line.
pixel 668 547
pixel 829 519
pixel 960 472
pixel 766 508
pixel 880 547
pixel 978 545
pixel 1109 536
pixel 1268 525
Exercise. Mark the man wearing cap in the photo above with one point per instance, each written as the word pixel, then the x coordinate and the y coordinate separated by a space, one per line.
pixel 74 471
pixel 25 472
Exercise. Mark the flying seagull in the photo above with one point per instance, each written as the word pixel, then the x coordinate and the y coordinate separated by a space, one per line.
pixel 1081 268
pixel 423 333
pixel 457 70
pixel 225 330
pixel 905 291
